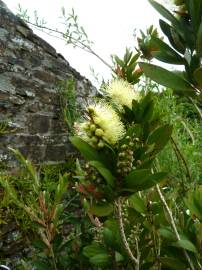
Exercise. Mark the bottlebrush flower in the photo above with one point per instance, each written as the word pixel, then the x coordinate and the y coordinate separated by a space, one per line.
pixel 104 125
pixel 122 93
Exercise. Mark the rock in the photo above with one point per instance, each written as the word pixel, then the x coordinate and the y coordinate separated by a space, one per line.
pixel 30 71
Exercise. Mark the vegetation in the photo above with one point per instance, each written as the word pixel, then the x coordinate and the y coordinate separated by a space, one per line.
pixel 139 181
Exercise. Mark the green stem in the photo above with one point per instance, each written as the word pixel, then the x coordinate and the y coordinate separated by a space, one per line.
pixel 172 222
pixel 182 158
pixel 135 260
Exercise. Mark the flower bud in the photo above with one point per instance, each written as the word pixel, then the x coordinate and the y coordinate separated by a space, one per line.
pixel 90 109
pixel 124 146
pixel 121 154
pixel 100 144
pixel 94 139
pixel 92 127
pixel 99 132
pixel 86 126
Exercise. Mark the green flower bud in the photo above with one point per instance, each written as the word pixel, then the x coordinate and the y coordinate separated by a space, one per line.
pixel 86 204
pixel 121 154
pixel 99 132
pixel 124 146
pixel 131 144
pixel 94 139
pixel 100 144
pixel 86 126
pixel 90 109
pixel 92 127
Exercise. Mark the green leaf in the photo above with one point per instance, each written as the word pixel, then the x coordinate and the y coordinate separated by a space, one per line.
pixel 160 137
pixel 93 250
pixel 118 257
pixel 137 203
pixel 167 78
pixel 136 178
pixel 41 265
pixel 185 244
pixel 167 233
pixel 173 37
pixel 101 210
pixel 153 180
pixel 142 179
pixel 86 150
pixel 119 61
pixel 108 237
pixel 104 172
pixel 198 76
pixel 165 53
pixel 172 263
pixel 195 11
pixel 194 202
pixel 100 259
pixel 199 41
pixel 167 15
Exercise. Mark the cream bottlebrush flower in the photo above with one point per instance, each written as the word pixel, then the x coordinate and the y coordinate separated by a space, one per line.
pixel 104 125
pixel 122 93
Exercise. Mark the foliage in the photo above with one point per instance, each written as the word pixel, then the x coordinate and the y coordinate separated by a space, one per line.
pixel 183 29
pixel 126 68
pixel 47 213
pixel 68 102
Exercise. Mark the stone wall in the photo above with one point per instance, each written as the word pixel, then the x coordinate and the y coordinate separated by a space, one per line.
pixel 29 73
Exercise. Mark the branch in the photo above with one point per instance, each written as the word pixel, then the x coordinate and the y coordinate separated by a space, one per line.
pixel 173 224
pixel 77 43
pixel 123 236
pixel 182 158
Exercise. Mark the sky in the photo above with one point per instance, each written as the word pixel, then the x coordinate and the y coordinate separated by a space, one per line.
pixel 109 24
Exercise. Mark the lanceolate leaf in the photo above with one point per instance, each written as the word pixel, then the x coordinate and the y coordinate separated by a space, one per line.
pixel 137 203
pixel 104 172
pixel 198 76
pixel 199 41
pixel 195 11
pixel 165 53
pixel 142 179
pixel 167 15
pixel 160 136
pixel 101 210
pixel 86 150
pixel 100 259
pixel 185 244
pixel 173 37
pixel 93 250
pixel 172 263
pixel 167 78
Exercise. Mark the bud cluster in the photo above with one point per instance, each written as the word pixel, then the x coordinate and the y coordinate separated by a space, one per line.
pixel 91 174
pixel 134 235
pixel 95 134
pixel 124 212
pixel 125 158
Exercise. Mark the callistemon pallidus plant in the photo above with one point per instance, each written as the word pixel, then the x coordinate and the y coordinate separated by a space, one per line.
pixel 120 139
pixel 121 143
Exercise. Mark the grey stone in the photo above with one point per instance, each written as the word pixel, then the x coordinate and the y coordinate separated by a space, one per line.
pixel 38 123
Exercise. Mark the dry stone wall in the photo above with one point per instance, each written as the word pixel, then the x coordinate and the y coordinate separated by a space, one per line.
pixel 29 73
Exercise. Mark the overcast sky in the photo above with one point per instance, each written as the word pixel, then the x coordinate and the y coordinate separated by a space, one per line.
pixel 109 24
